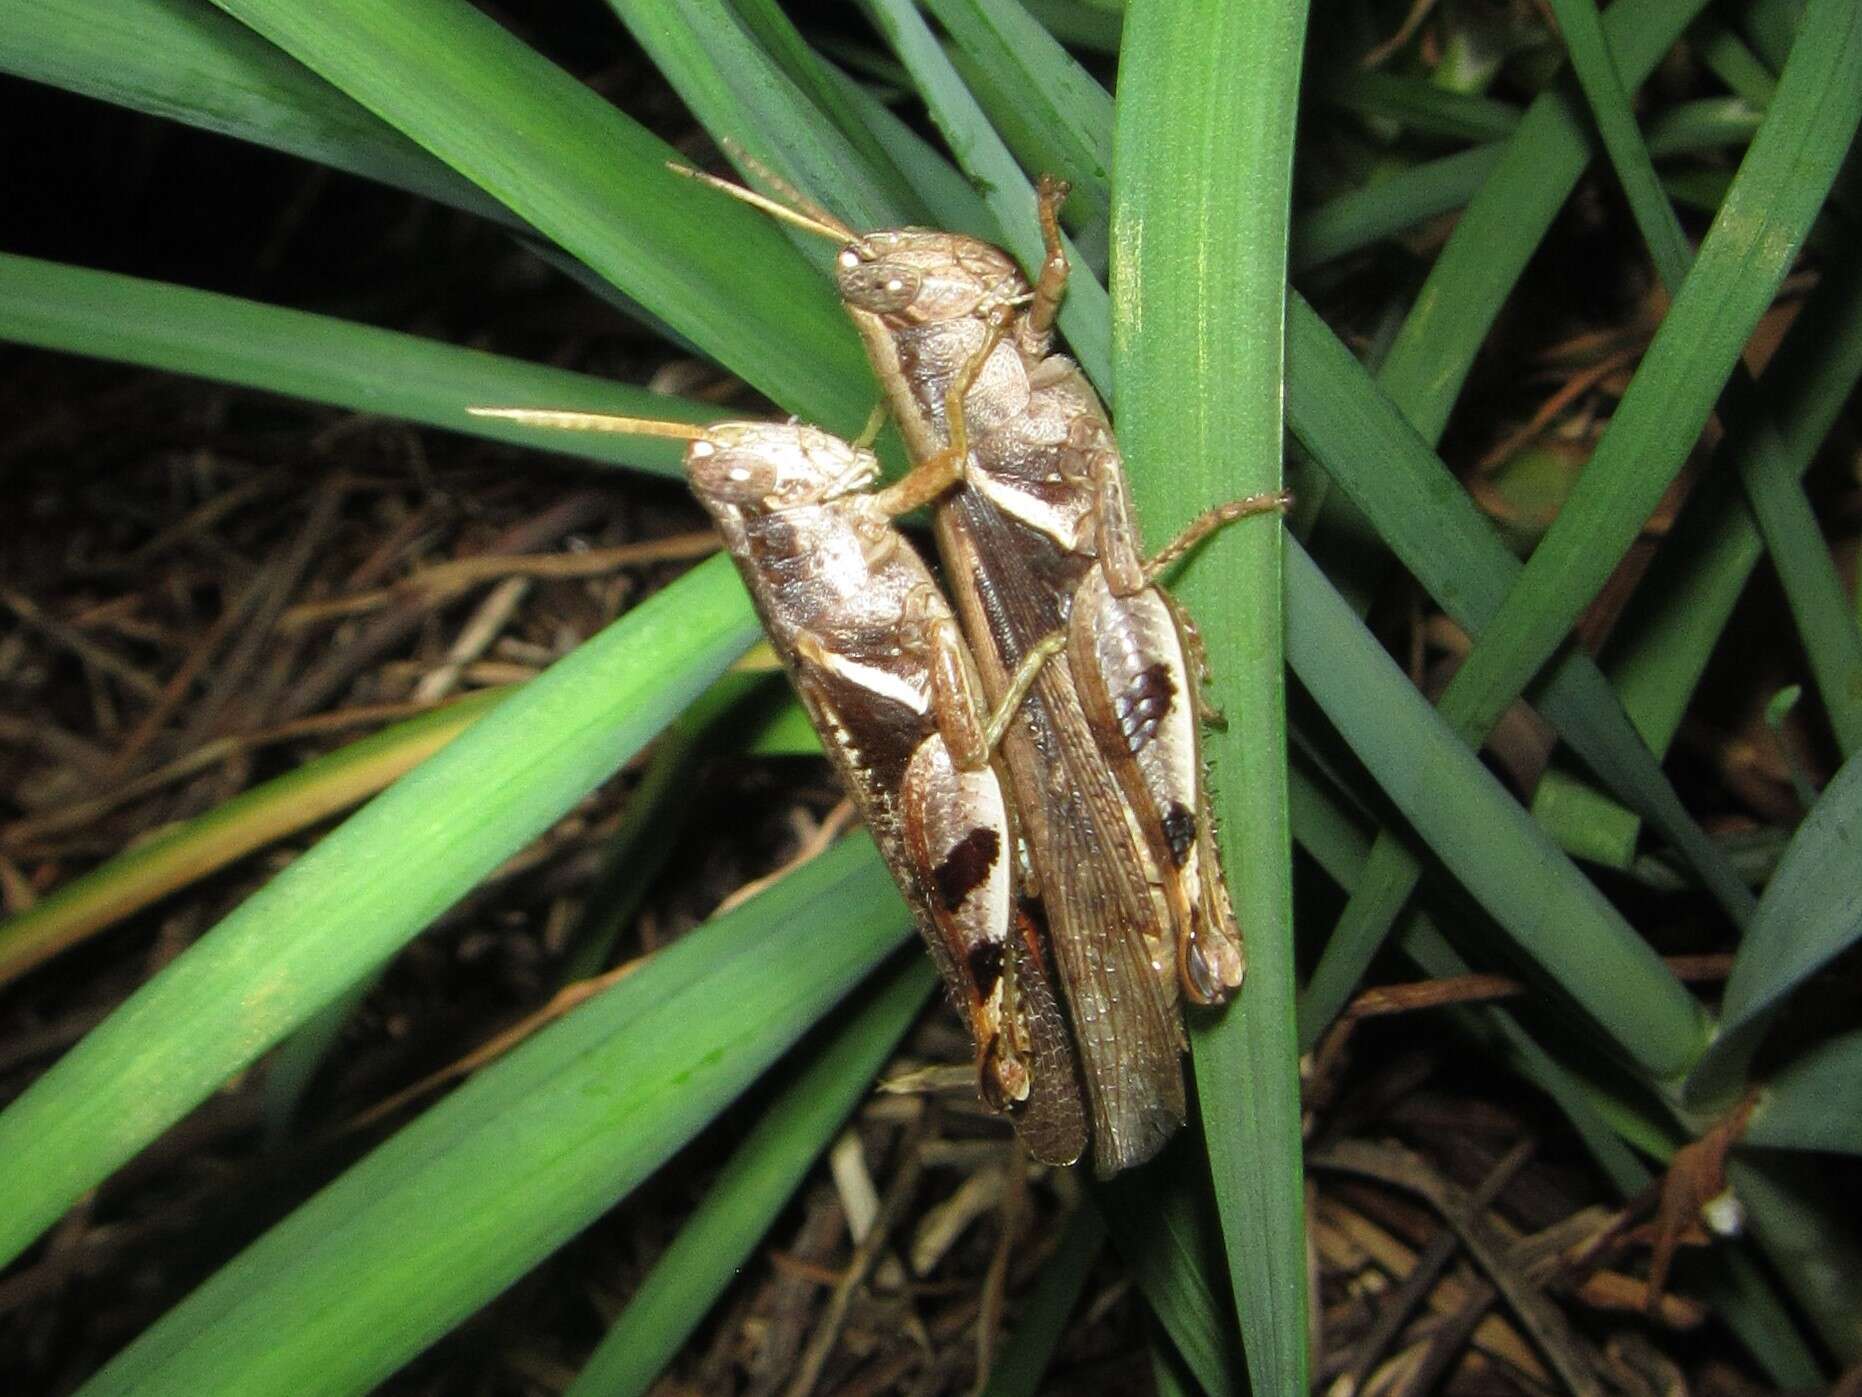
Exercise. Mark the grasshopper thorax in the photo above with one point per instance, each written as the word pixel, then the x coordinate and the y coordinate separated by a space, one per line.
pixel 768 467
pixel 919 276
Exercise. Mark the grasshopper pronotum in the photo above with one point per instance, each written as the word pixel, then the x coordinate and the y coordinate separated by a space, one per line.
pixel 1034 524
pixel 877 657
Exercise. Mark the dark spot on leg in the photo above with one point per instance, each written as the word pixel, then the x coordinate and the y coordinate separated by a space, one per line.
pixel 986 966
pixel 1143 705
pixel 1180 830
pixel 966 866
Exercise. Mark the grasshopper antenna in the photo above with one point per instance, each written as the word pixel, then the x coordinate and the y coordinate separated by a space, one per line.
pixel 798 211
pixel 595 422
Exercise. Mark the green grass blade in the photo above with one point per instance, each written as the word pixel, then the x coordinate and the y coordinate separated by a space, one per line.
pixel 1424 514
pixel 1022 1359
pixel 953 202
pixel 1034 89
pixel 1493 240
pixel 1602 83
pixel 344 907
pixel 1420 105
pixel 1810 914
pixel 1661 647
pixel 591 180
pixel 1806 1228
pixel 751 1189
pixel 1161 1222
pixel 1554 916
pixel 455 1207
pixel 1702 125
pixel 189 851
pixel 1818 600
pixel 1751 245
pixel 1726 56
pixel 322 359
pixel 1085 26
pixel 1361 217
pixel 817 80
pixel 189 62
pixel 1204 151
pixel 1792 535
pixel 1084 315
pixel 1814 1102
pixel 737 90
pixel 1426 517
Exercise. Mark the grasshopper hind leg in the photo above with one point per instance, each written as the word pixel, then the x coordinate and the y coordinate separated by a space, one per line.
pixel 1137 683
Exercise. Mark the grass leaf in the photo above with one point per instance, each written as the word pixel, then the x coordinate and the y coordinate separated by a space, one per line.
pixel 1203 160
pixel 459 1204
pixel 339 911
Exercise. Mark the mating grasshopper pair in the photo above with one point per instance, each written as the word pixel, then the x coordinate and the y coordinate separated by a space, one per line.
pixel 1100 854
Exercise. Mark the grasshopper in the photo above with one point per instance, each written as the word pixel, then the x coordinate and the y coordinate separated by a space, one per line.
pixel 1034 524
pixel 876 655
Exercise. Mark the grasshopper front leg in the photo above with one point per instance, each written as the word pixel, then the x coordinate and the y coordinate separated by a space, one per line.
pixel 942 471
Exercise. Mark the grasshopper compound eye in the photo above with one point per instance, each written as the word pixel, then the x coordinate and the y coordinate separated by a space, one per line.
pixel 883 286
pixel 725 475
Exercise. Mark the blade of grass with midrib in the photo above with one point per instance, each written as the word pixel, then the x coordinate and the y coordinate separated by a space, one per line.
pixel 1203 161
pixel 751 1189
pixel 1778 190
pixel 440 1218
pixel 322 359
pixel 591 180
pixel 338 911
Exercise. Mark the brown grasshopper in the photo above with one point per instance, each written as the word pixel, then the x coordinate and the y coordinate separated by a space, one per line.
pixel 880 664
pixel 1034 523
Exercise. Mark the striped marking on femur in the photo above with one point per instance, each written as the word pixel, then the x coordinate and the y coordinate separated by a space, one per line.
pixel 966 866
pixel 1143 704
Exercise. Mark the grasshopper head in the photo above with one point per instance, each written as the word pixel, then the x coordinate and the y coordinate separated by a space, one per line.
pixel 767 467
pixel 918 276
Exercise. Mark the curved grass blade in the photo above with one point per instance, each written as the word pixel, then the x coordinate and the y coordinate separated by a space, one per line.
pixel 1814 1102
pixel 322 359
pixel 1554 915
pixel 1025 1355
pixel 593 182
pixel 366 889
pixel 188 852
pixel 1084 318
pixel 1422 106
pixel 737 90
pixel 762 1174
pixel 189 62
pixel 1159 1219
pixel 1493 240
pixel 1206 107
pixel 1061 111
pixel 1810 914
pixel 1751 245
pixel 456 1206
pixel 1661 647
pixel 1792 535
